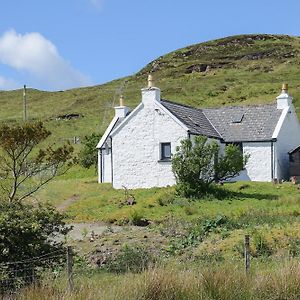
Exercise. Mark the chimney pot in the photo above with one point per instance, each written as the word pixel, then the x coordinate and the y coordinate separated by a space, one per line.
pixel 150 81
pixel 121 100
pixel 285 87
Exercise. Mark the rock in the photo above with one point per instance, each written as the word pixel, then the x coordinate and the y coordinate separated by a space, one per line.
pixel 131 201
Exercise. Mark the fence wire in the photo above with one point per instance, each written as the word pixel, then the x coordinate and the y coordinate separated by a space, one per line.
pixel 14 275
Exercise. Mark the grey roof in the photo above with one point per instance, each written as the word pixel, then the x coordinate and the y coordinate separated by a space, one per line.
pixel 257 123
pixel 193 118
pixel 229 123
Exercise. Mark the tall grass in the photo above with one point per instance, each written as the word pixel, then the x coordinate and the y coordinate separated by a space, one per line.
pixel 223 282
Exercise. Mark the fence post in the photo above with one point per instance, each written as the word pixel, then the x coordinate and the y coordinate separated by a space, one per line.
pixel 247 252
pixel 70 268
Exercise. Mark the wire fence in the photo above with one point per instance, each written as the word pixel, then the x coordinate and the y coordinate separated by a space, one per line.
pixel 14 275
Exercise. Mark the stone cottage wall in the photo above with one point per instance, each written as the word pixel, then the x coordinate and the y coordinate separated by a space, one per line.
pixel 136 162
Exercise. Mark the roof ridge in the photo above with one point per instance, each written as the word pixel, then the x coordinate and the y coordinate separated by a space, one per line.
pixel 239 106
pixel 183 105
pixel 218 107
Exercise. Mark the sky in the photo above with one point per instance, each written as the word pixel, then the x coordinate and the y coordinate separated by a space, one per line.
pixel 62 44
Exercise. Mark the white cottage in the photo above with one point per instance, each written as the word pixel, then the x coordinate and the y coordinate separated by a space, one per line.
pixel 135 150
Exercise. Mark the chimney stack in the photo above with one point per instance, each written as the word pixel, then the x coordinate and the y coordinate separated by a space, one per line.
pixel 150 94
pixel 121 111
pixel 284 99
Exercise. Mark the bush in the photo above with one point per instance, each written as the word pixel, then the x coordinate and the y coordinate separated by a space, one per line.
pixel 88 155
pixel 137 219
pixel 197 164
pixel 262 248
pixel 129 259
pixel 26 232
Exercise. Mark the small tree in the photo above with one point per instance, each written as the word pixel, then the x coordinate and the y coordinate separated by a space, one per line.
pixel 198 164
pixel 88 154
pixel 27 230
pixel 24 167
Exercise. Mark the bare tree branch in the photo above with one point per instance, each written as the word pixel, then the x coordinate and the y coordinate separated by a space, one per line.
pixel 21 165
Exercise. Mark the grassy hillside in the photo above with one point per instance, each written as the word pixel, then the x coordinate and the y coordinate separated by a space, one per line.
pixel 236 70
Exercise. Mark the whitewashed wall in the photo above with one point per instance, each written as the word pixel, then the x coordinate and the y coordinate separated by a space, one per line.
pixel 259 165
pixel 104 166
pixel 288 137
pixel 136 148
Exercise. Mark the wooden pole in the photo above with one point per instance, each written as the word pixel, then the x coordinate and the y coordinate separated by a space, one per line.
pixel 70 268
pixel 247 253
pixel 24 104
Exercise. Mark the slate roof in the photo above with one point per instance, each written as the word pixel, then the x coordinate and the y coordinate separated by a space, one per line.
pixel 257 122
pixel 229 123
pixel 193 118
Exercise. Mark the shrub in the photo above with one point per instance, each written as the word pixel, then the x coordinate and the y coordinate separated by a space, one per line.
pixel 130 259
pixel 262 248
pixel 26 232
pixel 88 155
pixel 197 165
pixel 137 219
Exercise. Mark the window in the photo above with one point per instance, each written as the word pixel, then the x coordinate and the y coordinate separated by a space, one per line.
pixel 238 118
pixel 165 151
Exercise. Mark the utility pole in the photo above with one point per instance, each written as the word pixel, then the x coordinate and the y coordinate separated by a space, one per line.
pixel 24 104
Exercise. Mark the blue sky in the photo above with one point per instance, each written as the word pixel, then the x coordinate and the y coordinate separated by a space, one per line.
pixel 60 44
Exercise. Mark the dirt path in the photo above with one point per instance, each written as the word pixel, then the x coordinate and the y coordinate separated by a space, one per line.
pixel 64 205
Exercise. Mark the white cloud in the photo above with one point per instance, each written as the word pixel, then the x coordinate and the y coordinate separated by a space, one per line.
pixel 35 54
pixel 8 84
pixel 97 3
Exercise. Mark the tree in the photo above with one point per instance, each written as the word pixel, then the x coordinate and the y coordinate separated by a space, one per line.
pixel 88 155
pixel 197 164
pixel 24 166
pixel 27 230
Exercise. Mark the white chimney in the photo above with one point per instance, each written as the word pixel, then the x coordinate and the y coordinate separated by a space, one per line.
pixel 284 99
pixel 121 111
pixel 150 93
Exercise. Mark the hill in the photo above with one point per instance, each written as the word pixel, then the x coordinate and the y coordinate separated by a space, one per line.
pixel 236 70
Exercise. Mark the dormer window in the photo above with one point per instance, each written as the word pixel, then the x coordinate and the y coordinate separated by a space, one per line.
pixel 238 118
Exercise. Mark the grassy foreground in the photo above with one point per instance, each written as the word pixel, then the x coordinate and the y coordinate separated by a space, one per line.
pixel 269 213
pixel 225 282
pixel 84 200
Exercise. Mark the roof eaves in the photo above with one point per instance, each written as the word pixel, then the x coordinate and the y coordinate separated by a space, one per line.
pixel 107 132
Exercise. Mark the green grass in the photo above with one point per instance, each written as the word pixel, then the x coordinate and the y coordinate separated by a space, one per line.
pixel 251 202
pixel 268 213
pixel 225 281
